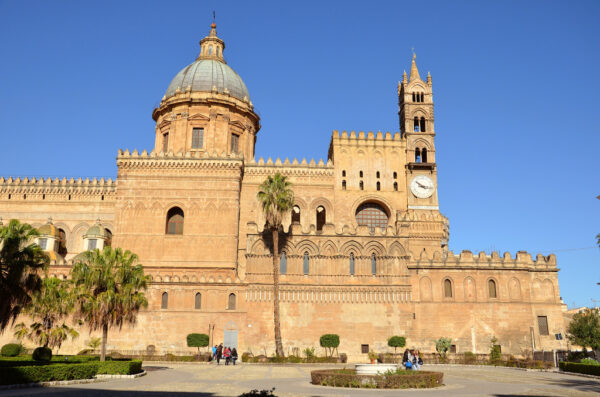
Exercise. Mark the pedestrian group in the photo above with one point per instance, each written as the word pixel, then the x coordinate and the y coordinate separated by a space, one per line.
pixel 220 352
pixel 412 360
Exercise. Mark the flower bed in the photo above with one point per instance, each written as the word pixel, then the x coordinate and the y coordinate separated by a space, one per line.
pixel 35 373
pixel 393 380
pixel 581 368
pixel 247 358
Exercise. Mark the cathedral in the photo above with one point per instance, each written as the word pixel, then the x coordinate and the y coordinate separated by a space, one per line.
pixel 364 252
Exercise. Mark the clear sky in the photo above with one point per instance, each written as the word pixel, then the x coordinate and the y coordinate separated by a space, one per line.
pixel 515 88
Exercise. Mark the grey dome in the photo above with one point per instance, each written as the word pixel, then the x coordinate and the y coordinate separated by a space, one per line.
pixel 204 74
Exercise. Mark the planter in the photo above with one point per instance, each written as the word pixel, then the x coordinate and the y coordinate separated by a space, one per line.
pixel 374 369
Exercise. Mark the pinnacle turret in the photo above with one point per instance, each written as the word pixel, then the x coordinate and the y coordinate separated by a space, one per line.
pixel 414 71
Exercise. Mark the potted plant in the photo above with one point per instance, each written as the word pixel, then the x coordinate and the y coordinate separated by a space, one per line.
pixel 373 356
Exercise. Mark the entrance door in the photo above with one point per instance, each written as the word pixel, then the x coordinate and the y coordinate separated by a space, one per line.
pixel 230 335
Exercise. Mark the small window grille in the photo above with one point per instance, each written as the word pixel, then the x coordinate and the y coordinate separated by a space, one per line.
pixel 452 348
pixel 197 138
pixel 235 139
pixel 364 348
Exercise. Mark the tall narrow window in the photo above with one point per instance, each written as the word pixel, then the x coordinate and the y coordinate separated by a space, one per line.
pixel 543 325
pixel 373 264
pixel 210 49
pixel 351 263
pixel 424 155
pixel 296 214
pixel 344 185
pixel 360 174
pixel 197 138
pixel 395 175
pixel 377 174
pixel 416 124
pixel 62 242
pixel 305 264
pixel 395 186
pixel 235 139
pixel 283 263
pixel 321 218
pixel 447 288
pixel 422 124
pixel 165 147
pixel 417 155
pixel 492 289
pixel 198 301
pixel 378 185
pixel 414 97
pixel 344 173
pixel 109 236
pixel 164 303
pixel 231 302
pixel 174 221
pixel 361 185
pixel 92 244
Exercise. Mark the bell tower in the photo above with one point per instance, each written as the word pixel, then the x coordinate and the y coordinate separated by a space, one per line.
pixel 415 100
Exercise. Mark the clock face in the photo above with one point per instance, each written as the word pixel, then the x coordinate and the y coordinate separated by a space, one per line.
pixel 422 186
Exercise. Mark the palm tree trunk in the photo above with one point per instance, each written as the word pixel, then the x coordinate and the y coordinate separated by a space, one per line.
pixel 104 338
pixel 278 344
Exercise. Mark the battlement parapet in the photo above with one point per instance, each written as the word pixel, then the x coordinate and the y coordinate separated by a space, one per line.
pixel 287 167
pixel 189 159
pixel 466 259
pixel 56 185
pixel 375 138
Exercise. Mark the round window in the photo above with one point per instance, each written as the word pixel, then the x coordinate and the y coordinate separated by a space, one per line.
pixel 372 215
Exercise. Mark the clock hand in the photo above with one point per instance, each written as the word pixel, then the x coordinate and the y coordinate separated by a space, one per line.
pixel 423 186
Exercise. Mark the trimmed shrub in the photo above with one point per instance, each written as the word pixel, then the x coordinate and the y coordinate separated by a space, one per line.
pixel 46 373
pixel 330 342
pixel 589 361
pixel 580 368
pixel 42 353
pixel 119 367
pixel 11 350
pixel 197 340
pixel 397 380
pixel 396 342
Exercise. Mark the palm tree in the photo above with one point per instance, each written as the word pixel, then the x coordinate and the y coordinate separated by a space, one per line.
pixel 276 198
pixel 48 307
pixel 21 261
pixel 109 289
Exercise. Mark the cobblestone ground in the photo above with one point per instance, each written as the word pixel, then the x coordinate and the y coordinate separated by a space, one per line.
pixel 195 380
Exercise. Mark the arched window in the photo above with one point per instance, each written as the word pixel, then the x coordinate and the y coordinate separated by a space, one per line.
pixel 395 175
pixel 447 288
pixel 373 264
pixel 422 97
pixel 231 302
pixel 378 185
pixel 344 173
pixel 423 124
pixel 416 124
pixel 321 218
pixel 210 50
pixel 377 174
pixel 62 242
pixel 175 221
pixel 164 304
pixel 360 174
pixel 305 263
pixel 424 155
pixel 109 236
pixel 417 155
pixel 283 263
pixel 361 185
pixel 351 263
pixel 296 214
pixel 395 186
pixel 344 185
pixel 492 288
pixel 371 215
pixel 198 301
pixel 414 97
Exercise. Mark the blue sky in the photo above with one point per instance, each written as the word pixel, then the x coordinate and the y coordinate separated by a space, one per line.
pixel 515 87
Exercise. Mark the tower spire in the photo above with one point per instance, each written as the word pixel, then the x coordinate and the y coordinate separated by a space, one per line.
pixel 414 71
pixel 211 47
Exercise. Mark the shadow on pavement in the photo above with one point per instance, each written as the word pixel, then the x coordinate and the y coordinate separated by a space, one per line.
pixel 581 384
pixel 72 392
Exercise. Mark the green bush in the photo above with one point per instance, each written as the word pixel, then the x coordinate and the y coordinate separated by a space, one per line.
pixel 495 355
pixel 580 368
pixel 393 380
pixel 330 342
pixel 11 350
pixel 442 346
pixel 119 367
pixel 589 361
pixel 46 373
pixel 42 354
pixel 197 340
pixel 396 342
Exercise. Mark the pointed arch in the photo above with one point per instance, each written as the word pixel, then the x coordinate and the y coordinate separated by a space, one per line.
pixel 470 288
pixel 374 247
pixel 514 289
pixel 329 248
pixel 351 247
pixel 425 289
pixel 307 246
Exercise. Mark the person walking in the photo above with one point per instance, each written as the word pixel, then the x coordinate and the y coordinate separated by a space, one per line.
pixel 214 352
pixel 219 353
pixel 417 362
pixel 227 355
pixel 234 355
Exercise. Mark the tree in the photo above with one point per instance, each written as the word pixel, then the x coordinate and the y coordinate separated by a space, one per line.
pixel 94 343
pixel 442 346
pixel 495 354
pixel 109 287
pixel 48 309
pixel 584 329
pixel 197 340
pixel 276 198
pixel 21 262
pixel 330 342
pixel 397 341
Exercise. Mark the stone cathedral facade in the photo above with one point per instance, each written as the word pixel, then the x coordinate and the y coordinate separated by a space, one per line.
pixel 365 253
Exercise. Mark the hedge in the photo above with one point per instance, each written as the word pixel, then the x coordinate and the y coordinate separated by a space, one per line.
pixel 589 369
pixel 52 372
pixel 22 361
pixel 401 380
pixel 11 350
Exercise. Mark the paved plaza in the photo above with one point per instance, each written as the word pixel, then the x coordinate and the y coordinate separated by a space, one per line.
pixel 192 380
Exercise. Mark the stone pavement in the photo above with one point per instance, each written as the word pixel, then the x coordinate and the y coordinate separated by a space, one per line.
pixel 201 380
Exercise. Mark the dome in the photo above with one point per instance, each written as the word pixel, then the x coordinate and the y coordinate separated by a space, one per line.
pixel 205 74
pixel 96 231
pixel 49 230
